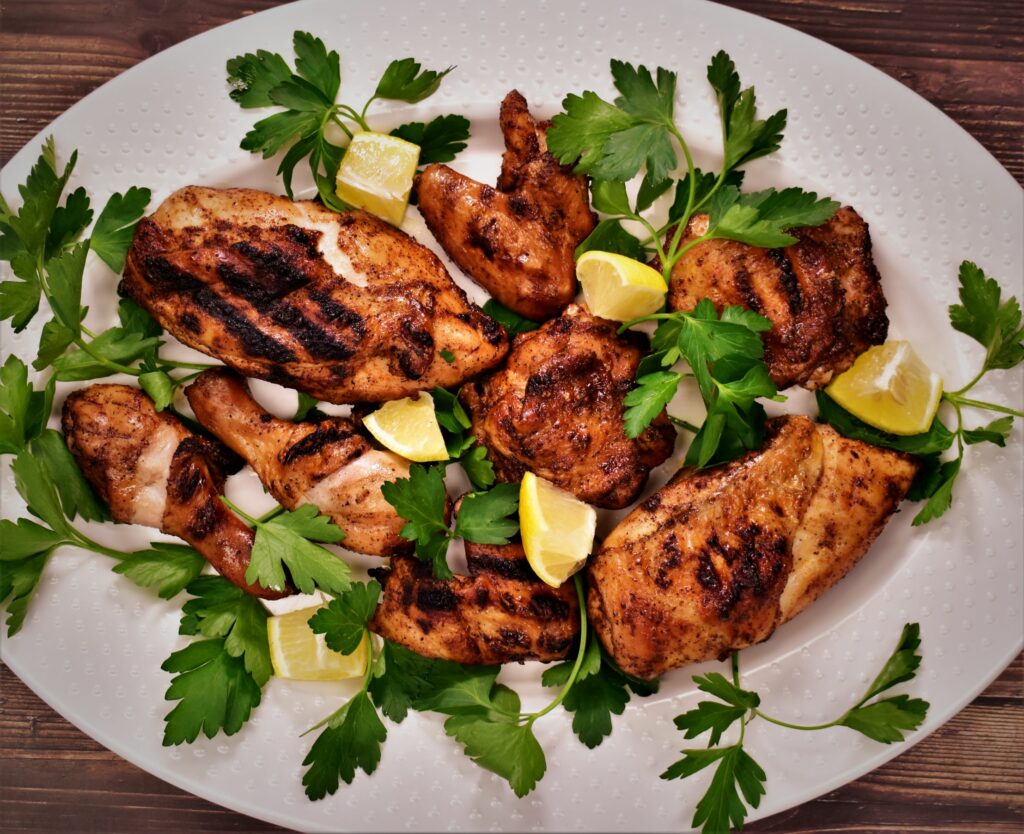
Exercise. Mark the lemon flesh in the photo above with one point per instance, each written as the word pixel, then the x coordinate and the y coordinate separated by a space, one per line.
pixel 618 288
pixel 376 174
pixel 409 428
pixel 557 529
pixel 890 388
pixel 299 654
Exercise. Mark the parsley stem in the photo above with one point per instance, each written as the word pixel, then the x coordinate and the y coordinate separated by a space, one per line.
pixel 531 717
pixel 734 662
pixel 786 724
pixel 958 401
pixel 967 387
pixel 84 541
pixel 353 115
pixel 194 366
pixel 252 522
pixel 269 514
pixel 679 421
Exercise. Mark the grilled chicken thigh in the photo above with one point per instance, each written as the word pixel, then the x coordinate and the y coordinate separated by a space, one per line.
pixel 518 241
pixel 500 613
pixel 327 463
pixel 823 295
pixel 152 470
pixel 344 307
pixel 556 409
pixel 715 560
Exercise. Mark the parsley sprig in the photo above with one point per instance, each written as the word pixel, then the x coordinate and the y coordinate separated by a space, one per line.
pixel 461 445
pixel 484 517
pixel 218 680
pixel 739 781
pixel 42 243
pixel 309 95
pixel 725 356
pixel 289 540
pixel 613 142
pixel 484 716
pixel 995 324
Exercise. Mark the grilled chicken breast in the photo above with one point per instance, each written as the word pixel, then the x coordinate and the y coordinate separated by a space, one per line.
pixel 152 470
pixel 342 306
pixel 717 559
pixel 518 241
pixel 326 463
pixel 500 613
pixel 556 409
pixel 823 295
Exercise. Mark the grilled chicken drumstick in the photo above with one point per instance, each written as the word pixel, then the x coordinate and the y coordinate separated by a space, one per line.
pixel 342 306
pixel 823 295
pixel 715 560
pixel 518 241
pixel 500 613
pixel 151 470
pixel 325 463
pixel 556 409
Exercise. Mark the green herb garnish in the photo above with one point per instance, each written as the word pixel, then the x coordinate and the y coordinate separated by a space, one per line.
pixel 739 781
pixel 309 92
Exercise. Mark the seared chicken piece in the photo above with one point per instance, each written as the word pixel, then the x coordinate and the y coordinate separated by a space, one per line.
pixel 500 613
pixel 717 559
pixel 152 470
pixel 342 306
pixel 556 409
pixel 823 295
pixel 326 463
pixel 516 242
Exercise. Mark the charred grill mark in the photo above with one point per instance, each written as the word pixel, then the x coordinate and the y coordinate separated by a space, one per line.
pixel 204 520
pixel 339 314
pixel 315 441
pixel 316 340
pixel 755 566
pixel 485 238
pixel 277 272
pixel 673 557
pixel 510 568
pixel 190 323
pixel 436 597
pixel 788 283
pixel 547 607
pixel 514 638
pixel 253 339
pixel 307 238
pixel 746 290
pixel 419 337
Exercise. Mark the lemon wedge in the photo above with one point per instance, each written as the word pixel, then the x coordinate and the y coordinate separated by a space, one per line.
pixel 409 428
pixel 299 654
pixel 557 529
pixel 376 174
pixel 890 388
pixel 619 288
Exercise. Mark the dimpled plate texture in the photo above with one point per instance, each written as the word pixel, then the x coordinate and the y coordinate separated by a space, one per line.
pixel 93 643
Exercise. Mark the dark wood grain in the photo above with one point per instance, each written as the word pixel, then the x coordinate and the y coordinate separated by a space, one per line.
pixel 963 56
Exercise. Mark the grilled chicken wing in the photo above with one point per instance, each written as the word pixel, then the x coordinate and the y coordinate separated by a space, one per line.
pixel 344 307
pixel 717 559
pixel 556 409
pixel 326 463
pixel 823 294
pixel 516 242
pixel 151 470
pixel 500 613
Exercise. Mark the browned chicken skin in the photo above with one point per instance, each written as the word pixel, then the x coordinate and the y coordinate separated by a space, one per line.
pixel 500 613
pixel 823 294
pixel 326 463
pixel 556 409
pixel 151 470
pixel 344 307
pixel 518 241
pixel 716 560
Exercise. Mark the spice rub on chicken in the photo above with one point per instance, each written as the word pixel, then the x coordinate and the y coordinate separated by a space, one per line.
pixel 326 462
pixel 556 409
pixel 717 559
pixel 518 241
pixel 342 306
pixel 500 613
pixel 823 295
pixel 151 469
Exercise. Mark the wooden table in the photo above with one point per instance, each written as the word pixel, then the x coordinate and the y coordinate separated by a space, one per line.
pixel 963 56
